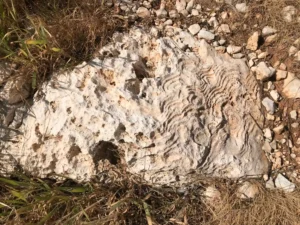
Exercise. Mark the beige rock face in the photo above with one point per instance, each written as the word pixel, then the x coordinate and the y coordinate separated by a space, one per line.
pixel 291 86
pixel 171 112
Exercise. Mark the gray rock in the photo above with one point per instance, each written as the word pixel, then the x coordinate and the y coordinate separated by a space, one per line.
pixel 267 30
pixel 284 184
pixel 268 134
pixel 206 35
pixel 269 105
pixel 275 95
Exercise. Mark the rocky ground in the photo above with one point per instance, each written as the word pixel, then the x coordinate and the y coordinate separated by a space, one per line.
pixel 240 29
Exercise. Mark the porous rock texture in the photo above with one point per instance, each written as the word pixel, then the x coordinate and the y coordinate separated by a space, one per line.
pixel 170 112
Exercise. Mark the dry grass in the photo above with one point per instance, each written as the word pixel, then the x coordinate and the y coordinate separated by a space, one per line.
pixel 41 36
pixel 25 200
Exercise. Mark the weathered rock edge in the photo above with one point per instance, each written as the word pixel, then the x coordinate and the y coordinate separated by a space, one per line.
pixel 172 112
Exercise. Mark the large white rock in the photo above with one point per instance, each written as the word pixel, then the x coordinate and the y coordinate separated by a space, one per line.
pixel 170 112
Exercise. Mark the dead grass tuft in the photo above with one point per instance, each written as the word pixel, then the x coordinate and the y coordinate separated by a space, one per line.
pixel 42 36
pixel 26 200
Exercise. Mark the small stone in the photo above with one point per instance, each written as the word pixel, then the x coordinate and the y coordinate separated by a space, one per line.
pixel 273 145
pixel 274 94
pixel 270 85
pixel 263 72
pixel 297 56
pixel 224 15
pixel 224 28
pixel 212 194
pixel 161 13
pixel 270 184
pixel 267 30
pixel 247 190
pixel 267 147
pixel 213 22
pixel 231 49
pixel 154 32
pixel 238 55
pixel 293 114
pixel 270 117
pixel 215 44
pixel 268 134
pixel 277 163
pixel 281 74
pixel 282 66
pixel 195 12
pixel 290 143
pixel 284 184
pixel 206 35
pixel 180 5
pixel 222 42
pixel 241 7
pixel 295 125
pixel 251 63
pixel 283 141
pixel 279 129
pixel 252 43
pixel 270 39
pixel 194 29
pixel 143 12
pixel 190 5
pixel 292 50
pixel 269 105
pixel 293 155
pixel 168 22
pixel 266 177
pixel 173 14
pixel 289 13
pixel 291 86
pixel 198 7
pixel 220 49
pixel 184 12
pixel 262 55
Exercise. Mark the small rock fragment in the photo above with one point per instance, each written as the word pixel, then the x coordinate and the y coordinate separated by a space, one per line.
pixel 247 190
pixel 274 94
pixel 263 72
pixel 270 117
pixel 212 194
pixel 267 147
pixel 281 74
pixel 173 14
pixel 284 184
pixel 295 125
pixel 224 28
pixel 231 49
pixel 195 12
pixel 293 114
pixel 190 5
pixel 252 43
pixel 289 13
pixel 279 129
pixel 269 105
pixel 143 12
pixel 194 29
pixel 291 86
pixel 270 39
pixel 270 184
pixel 180 5
pixel 292 50
pixel 241 7
pixel 267 30
pixel 206 35
pixel 268 134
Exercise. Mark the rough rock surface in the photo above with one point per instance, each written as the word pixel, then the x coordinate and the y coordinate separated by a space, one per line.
pixel 169 111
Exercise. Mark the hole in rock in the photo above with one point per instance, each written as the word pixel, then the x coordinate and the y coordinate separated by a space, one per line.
pixel 105 150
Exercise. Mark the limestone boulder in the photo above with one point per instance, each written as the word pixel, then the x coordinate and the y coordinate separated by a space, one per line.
pixel 169 114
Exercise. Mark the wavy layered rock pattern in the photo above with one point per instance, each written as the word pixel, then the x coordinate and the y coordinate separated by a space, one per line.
pixel 171 113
